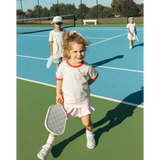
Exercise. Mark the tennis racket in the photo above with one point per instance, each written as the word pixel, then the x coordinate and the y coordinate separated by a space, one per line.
pixel 56 117
pixel 49 62
pixel 137 39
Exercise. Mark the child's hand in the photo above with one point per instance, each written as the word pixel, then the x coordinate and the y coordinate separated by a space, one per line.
pixel 51 54
pixel 59 96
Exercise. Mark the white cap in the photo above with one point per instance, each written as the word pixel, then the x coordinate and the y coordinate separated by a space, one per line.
pixel 57 19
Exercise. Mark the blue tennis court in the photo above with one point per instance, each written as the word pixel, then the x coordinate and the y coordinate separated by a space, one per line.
pixel 120 69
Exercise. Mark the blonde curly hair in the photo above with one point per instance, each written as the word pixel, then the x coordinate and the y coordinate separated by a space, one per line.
pixel 69 39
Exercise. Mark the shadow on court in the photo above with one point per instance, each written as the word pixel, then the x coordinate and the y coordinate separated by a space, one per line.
pixel 37 31
pixel 115 116
pixel 138 45
pixel 106 61
pixel 119 114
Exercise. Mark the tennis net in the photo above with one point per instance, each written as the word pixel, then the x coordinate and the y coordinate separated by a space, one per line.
pixel 68 21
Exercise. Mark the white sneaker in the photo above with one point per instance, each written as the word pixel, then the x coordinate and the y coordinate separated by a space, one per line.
pixel 91 143
pixel 44 151
pixel 130 47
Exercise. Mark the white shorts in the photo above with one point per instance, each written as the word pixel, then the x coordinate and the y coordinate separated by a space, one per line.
pixel 58 60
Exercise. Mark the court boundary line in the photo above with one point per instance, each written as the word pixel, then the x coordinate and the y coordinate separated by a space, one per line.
pixel 105 39
pixel 32 57
pixel 93 95
pixel 108 39
pixel 122 69
pixel 106 67
pixel 83 28
pixel 31 35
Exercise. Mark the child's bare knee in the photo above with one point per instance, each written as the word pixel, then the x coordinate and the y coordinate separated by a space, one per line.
pixel 86 123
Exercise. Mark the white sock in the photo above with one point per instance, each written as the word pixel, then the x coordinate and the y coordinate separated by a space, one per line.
pixel 50 140
pixel 89 132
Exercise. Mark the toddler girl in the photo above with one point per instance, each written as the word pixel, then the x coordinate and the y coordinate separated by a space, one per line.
pixel 131 28
pixel 72 77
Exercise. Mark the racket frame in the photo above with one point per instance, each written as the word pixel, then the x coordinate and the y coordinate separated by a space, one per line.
pixel 59 105
pixel 49 61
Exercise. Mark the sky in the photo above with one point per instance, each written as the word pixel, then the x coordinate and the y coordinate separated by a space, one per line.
pixel 29 4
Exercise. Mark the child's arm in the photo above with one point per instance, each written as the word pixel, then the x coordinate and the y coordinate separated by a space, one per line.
pixel 58 90
pixel 135 29
pixel 128 30
pixel 90 81
pixel 51 46
pixel 92 74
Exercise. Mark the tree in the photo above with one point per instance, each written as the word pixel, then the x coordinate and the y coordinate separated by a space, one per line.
pixel 106 13
pixel 70 8
pixel 54 10
pixel 116 6
pixel 130 7
pixel 37 11
pixel 93 11
pixel 20 12
pixel 45 12
pixel 29 13
pixel 62 9
pixel 81 11
pixel 143 9
pixel 125 7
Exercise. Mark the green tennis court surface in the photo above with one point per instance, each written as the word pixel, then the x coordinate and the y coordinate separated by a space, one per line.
pixel 118 128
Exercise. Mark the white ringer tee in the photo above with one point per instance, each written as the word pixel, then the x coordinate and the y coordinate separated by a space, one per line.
pixel 75 84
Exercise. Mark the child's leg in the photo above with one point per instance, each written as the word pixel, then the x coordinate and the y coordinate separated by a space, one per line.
pixel 86 120
pixel 47 147
pixel 57 65
pixel 130 44
pixel 51 138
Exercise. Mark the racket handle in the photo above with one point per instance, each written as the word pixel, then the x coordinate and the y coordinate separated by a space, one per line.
pixel 60 101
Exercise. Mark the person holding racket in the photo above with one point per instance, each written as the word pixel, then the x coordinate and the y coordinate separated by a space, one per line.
pixel 132 33
pixel 56 40
pixel 74 76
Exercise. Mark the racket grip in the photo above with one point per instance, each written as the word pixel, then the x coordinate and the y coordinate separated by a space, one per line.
pixel 60 101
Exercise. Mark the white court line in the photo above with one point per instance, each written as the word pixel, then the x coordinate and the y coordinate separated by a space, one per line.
pixel 48 36
pixel 94 65
pixel 108 39
pixel 105 39
pixel 105 28
pixel 32 57
pixel 80 28
pixel 101 97
pixel 94 38
pixel 122 69
pixel 31 35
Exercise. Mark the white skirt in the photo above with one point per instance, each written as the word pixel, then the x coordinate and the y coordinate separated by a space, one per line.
pixel 130 37
pixel 78 112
